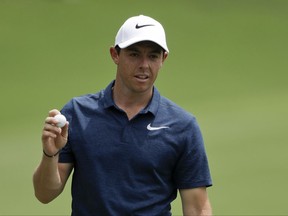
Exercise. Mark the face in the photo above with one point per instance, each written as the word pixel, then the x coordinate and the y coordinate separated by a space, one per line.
pixel 138 66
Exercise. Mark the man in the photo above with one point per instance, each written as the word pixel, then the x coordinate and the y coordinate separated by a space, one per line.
pixel 130 149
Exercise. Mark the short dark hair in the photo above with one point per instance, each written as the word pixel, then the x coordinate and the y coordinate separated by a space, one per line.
pixel 118 49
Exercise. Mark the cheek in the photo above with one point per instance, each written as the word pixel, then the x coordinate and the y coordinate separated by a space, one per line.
pixel 155 73
pixel 125 70
pixel 156 68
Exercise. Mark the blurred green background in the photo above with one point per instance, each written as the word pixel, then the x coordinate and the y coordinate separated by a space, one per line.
pixel 227 65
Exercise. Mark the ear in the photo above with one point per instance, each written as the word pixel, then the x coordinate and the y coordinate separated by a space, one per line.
pixel 114 55
pixel 165 55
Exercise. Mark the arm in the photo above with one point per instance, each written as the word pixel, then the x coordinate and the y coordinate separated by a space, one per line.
pixel 50 176
pixel 195 202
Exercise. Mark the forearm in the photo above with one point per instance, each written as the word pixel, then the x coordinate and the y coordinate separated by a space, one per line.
pixel 50 177
pixel 205 210
pixel 46 180
pixel 195 202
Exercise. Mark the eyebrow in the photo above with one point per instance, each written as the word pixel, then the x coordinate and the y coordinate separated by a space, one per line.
pixel 132 48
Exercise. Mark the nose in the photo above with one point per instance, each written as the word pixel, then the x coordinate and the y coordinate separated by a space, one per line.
pixel 144 63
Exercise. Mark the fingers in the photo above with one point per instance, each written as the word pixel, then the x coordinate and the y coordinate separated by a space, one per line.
pixel 50 129
pixel 53 112
pixel 54 137
pixel 52 120
pixel 64 130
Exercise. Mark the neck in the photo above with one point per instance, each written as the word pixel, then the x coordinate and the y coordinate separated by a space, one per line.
pixel 131 103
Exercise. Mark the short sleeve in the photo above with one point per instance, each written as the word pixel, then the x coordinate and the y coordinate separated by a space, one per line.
pixel 192 169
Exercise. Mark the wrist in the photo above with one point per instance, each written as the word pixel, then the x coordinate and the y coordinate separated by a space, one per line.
pixel 51 156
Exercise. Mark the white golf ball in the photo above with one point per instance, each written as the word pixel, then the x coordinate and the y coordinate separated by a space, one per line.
pixel 61 120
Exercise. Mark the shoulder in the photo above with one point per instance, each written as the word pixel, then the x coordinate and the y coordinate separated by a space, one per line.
pixel 85 101
pixel 88 99
pixel 170 108
pixel 102 98
pixel 83 104
pixel 182 121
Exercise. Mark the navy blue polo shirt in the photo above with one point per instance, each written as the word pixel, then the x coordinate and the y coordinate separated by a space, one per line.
pixel 131 167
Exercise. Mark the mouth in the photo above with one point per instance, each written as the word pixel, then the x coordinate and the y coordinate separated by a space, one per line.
pixel 142 77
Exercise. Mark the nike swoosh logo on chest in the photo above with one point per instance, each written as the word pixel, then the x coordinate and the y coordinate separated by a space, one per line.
pixel 149 127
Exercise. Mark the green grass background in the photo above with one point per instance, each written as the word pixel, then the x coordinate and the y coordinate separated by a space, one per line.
pixel 227 65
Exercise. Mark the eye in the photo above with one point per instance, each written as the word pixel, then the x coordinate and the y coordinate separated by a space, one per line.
pixel 134 54
pixel 154 56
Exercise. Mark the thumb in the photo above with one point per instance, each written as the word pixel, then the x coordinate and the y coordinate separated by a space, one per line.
pixel 64 130
pixel 62 139
pixel 53 112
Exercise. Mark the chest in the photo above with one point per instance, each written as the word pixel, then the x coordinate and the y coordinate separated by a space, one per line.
pixel 115 142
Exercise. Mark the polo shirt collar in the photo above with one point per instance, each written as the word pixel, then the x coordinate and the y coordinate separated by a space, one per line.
pixel 151 107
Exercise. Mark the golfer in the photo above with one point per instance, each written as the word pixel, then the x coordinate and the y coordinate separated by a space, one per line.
pixel 129 148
